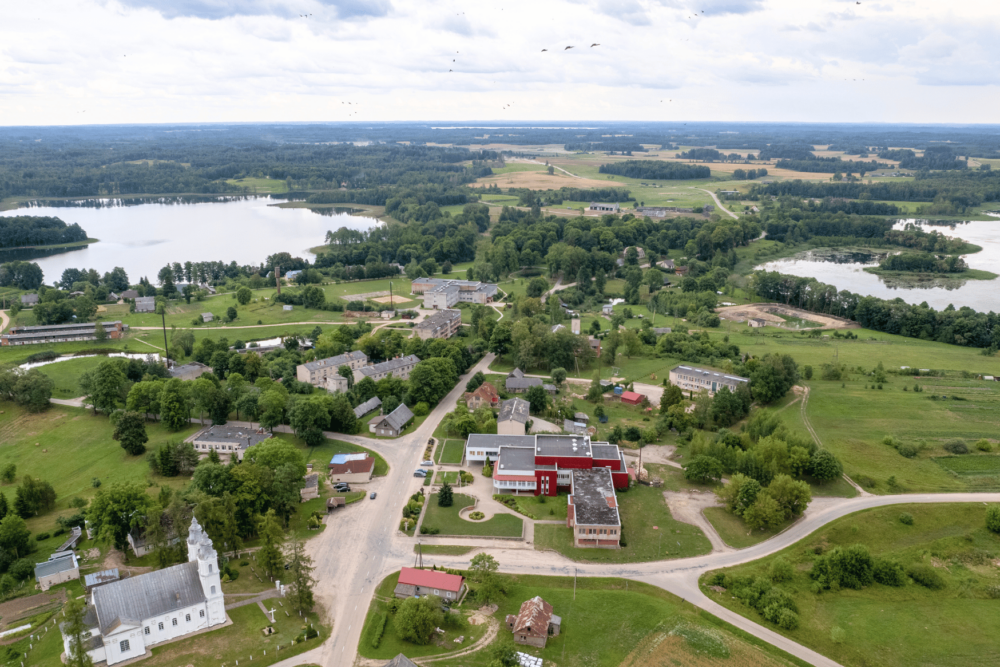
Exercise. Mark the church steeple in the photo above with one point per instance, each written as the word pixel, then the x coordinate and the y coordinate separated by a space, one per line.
pixel 195 536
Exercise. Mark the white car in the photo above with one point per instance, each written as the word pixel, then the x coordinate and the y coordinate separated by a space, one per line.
pixel 427 463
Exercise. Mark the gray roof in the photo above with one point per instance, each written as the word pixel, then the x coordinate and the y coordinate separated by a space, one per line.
pixel 708 374
pixel 102 577
pixel 659 331
pixel 581 417
pixel 29 298
pixel 390 366
pixel 147 595
pixel 515 458
pixel 366 407
pixel 591 492
pixel 562 445
pixel 191 367
pixel 494 441
pixel 400 661
pixel 74 536
pixel 312 480
pixel 514 409
pixel 58 562
pixel 605 452
pixel 339 360
pixel 232 435
pixel 522 382
pixel 571 426
pixel 130 294
pixel 440 318
pixel 399 417
pixel 516 373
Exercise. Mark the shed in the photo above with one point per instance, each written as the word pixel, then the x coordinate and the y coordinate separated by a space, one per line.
pixel 287 307
pixel 61 567
pixel 207 317
pixel 414 582
pixel 311 488
pixel 97 578
pixel 335 502
pixel 582 417
pixel 632 398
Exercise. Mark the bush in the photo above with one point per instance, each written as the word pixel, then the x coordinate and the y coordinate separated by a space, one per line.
pixel 376 629
pixel 993 518
pixel 22 569
pixel 956 447
pixel 845 567
pixel 984 445
pixel 42 537
pixel 906 519
pixel 824 466
pixel 421 409
pixel 908 451
pixel 889 573
pixel 926 576
pixel 780 570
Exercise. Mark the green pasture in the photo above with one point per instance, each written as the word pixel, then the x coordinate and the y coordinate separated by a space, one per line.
pixel 260 185
pixel 896 627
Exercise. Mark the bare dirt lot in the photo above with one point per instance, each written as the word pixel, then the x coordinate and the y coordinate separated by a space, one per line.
pixel 391 299
pixel 772 312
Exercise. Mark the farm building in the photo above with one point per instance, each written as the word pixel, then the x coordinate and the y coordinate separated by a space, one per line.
pixel 534 623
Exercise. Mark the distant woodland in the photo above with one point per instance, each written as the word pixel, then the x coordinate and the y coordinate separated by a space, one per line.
pixel 656 170
pixel 26 230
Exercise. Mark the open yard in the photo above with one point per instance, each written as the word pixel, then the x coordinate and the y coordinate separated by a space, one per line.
pixel 648 529
pixel 447 521
pixel 612 623
pixel 896 627
pixel 450 451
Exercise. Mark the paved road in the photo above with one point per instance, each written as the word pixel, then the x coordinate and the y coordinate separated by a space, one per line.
pixel 4 320
pixel 719 204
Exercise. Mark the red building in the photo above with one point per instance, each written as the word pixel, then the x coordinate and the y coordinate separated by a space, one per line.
pixel 632 398
pixel 546 466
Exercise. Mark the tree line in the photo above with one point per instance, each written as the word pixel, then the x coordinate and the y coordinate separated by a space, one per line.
pixel 924 263
pixel 27 230
pixel 656 170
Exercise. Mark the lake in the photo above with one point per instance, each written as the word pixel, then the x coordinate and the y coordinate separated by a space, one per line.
pixel 142 236
pixel 845 270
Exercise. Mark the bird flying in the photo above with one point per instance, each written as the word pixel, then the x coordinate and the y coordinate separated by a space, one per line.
pixel 567 48
pixel 593 45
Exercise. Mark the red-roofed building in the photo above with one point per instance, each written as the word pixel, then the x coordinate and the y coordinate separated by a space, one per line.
pixel 413 582
pixel 632 398
pixel 485 395
pixel 352 468
pixel 535 623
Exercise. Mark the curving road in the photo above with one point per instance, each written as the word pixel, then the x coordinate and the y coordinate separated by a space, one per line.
pixel 719 204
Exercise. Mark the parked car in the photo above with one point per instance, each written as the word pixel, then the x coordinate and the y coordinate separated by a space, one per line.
pixel 372 496
pixel 427 463
pixel 419 473
pixel 343 488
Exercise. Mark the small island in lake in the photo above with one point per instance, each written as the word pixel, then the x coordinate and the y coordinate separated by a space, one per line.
pixel 923 265
pixel 28 231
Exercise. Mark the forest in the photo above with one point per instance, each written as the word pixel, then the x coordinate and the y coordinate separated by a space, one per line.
pixel 924 263
pixel 655 169
pixel 26 230
pixel 831 166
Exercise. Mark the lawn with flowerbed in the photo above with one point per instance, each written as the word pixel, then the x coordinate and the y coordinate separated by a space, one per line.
pixel 446 520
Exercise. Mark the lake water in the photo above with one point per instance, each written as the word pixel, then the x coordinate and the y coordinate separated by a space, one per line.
pixel 118 355
pixel 142 236
pixel 847 272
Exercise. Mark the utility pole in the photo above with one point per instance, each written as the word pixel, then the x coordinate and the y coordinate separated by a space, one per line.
pixel 390 296
pixel 166 348
pixel 277 278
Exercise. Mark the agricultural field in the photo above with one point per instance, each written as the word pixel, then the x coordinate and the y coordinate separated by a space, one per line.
pixel 913 624
pixel 613 623
pixel 260 185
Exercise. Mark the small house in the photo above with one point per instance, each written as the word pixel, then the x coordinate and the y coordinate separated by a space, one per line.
pixel 517 382
pixel 287 307
pixel 207 317
pixel 513 417
pixel 145 304
pixel 29 299
pixel 632 398
pixel 392 424
pixel 311 488
pixel 417 583
pixel 607 309
pixel 62 566
pixel 354 468
pixel 535 623
pixel 485 395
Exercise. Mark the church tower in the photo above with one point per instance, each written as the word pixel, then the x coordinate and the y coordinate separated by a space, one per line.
pixel 195 533
pixel 211 582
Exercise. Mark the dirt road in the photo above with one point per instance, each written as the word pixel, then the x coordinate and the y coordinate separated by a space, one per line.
pixel 719 205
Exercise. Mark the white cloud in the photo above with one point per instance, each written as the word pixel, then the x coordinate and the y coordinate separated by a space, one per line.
pixel 258 60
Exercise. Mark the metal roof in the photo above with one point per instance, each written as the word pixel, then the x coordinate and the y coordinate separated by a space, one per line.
pixel 398 418
pixel 430 579
pixel 59 562
pixel 148 595
pixel 514 409
pixel 339 360
pixel 366 407
pixel 707 373
pixel 102 577
pixel 390 365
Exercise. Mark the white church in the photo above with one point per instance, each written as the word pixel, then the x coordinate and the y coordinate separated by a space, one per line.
pixel 127 616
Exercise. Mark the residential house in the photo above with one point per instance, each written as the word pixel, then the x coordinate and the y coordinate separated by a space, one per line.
pixel 659 331
pixel 442 324
pixel 517 383
pixel 592 510
pixel 315 372
pixel 145 304
pixel 400 367
pixel 207 317
pixel 128 616
pixel 391 424
pixel 373 403
pixel 595 345
pixel 129 294
pixel 667 264
pixel 413 582
pixel 581 417
pixel 61 333
pixel 513 417
pixel 485 395
pixel 228 440
pixel 62 566
pixel 608 309
pixel 542 464
pixel 534 623
pixel 694 378
pixel 189 371
pixel 29 299
pixel 355 468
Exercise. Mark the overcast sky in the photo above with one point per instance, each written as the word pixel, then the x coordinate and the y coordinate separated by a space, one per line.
pixel 137 61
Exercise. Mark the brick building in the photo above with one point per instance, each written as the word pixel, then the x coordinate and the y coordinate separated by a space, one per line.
pixel 442 324
pixel 534 623
pixel 485 395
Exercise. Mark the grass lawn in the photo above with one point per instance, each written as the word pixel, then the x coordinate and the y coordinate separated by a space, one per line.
pixel 451 477
pixel 241 640
pixel 450 451
pixel 641 508
pixel 904 626
pixel 392 644
pixel 11 354
pixel 541 508
pixel 74 447
pixel 66 374
pixel 734 532
pixel 260 185
pixel 320 456
pixel 611 622
pixel 447 521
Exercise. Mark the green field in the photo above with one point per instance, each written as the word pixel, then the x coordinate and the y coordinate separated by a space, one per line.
pixel 912 625
pixel 447 521
pixel 539 508
pixel 734 532
pixel 450 451
pixel 73 448
pixel 612 622
pixel 260 185
pixel 641 508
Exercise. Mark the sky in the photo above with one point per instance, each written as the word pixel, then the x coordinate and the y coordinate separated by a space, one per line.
pixel 66 62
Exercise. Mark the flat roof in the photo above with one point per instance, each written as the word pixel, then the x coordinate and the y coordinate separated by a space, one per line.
pixel 605 452
pixel 494 441
pixel 594 499
pixel 231 434
pixel 515 458
pixel 708 373
pixel 562 445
